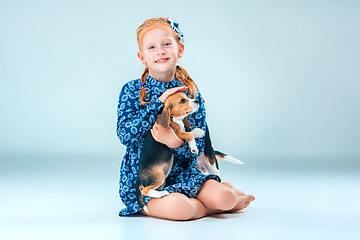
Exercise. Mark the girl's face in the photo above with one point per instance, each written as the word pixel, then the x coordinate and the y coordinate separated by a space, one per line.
pixel 160 52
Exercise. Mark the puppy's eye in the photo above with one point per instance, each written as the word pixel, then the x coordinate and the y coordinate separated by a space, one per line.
pixel 183 100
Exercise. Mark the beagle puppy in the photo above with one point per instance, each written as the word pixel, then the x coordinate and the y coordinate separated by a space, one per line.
pixel 174 114
pixel 156 159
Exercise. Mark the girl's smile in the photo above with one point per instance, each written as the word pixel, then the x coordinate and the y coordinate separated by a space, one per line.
pixel 160 53
pixel 162 60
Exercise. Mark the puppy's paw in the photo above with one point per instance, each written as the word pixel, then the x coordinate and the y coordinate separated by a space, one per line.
pixel 193 148
pixel 157 194
pixel 164 193
pixel 146 209
pixel 195 151
pixel 197 132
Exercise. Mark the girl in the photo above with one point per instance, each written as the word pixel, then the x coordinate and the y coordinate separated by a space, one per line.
pixel 192 194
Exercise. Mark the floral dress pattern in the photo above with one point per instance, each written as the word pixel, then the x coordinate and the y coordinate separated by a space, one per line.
pixel 133 123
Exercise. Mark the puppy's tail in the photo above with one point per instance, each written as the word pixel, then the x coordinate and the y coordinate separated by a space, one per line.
pixel 228 158
pixel 140 198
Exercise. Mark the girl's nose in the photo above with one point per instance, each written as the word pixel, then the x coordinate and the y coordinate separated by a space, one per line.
pixel 161 51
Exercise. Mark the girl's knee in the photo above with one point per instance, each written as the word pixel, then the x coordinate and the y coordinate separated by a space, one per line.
pixel 175 206
pixel 225 199
pixel 181 208
pixel 218 196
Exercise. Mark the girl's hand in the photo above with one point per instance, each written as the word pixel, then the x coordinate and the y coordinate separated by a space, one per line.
pixel 166 136
pixel 171 91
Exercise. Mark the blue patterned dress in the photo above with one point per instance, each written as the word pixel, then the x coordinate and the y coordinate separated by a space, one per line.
pixel 134 121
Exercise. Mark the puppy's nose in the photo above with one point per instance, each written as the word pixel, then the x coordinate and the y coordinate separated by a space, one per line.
pixel 196 101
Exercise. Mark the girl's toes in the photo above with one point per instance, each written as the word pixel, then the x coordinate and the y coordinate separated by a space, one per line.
pixel 247 198
pixel 244 201
pixel 252 198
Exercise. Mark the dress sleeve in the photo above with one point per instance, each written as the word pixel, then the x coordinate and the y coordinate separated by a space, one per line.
pixel 197 120
pixel 134 120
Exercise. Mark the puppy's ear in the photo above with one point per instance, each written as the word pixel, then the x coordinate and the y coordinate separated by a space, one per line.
pixel 164 118
pixel 186 122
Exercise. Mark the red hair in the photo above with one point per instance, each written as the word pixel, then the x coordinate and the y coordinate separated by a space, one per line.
pixel 180 73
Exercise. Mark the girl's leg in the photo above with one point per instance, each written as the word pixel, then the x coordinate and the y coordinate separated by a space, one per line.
pixel 177 206
pixel 223 196
pixel 244 200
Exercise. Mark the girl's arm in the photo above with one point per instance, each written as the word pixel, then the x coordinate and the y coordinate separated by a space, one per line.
pixel 134 121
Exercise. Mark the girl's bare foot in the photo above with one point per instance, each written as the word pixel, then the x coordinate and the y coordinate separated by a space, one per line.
pixel 243 203
pixel 244 200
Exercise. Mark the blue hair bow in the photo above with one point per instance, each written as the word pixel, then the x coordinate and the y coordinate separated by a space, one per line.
pixel 175 26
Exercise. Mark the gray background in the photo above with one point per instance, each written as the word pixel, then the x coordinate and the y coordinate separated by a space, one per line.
pixel 279 77
pixel 281 84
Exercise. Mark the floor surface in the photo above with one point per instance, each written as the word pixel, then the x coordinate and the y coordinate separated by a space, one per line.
pixel 57 197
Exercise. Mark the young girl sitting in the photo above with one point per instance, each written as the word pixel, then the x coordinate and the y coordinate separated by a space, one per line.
pixel 192 194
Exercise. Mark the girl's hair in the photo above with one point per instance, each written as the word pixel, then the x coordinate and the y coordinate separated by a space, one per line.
pixel 180 73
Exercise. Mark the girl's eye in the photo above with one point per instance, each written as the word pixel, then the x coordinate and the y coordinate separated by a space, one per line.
pixel 151 47
pixel 183 100
pixel 167 44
